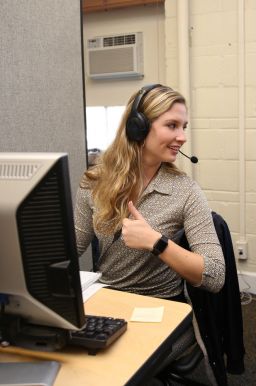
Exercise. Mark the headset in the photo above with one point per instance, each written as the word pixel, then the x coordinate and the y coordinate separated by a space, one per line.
pixel 137 124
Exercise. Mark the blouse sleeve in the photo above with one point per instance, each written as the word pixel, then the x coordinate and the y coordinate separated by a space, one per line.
pixel 202 239
pixel 83 220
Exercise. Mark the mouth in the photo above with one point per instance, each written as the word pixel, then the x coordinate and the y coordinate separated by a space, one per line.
pixel 175 149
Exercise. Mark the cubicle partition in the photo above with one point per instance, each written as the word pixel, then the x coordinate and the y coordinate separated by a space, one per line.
pixel 42 95
pixel 42 104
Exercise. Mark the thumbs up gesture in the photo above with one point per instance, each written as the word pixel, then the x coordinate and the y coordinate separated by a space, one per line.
pixel 136 232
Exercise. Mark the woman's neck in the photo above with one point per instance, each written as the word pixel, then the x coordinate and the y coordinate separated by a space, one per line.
pixel 149 172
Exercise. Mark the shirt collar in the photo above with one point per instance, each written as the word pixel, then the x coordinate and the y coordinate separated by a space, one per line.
pixel 161 182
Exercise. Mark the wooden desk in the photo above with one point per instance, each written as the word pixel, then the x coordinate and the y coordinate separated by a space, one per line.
pixel 134 356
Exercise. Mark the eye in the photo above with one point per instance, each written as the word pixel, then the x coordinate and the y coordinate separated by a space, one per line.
pixel 171 125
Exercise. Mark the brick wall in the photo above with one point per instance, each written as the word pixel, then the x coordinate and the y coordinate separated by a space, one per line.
pixel 214 78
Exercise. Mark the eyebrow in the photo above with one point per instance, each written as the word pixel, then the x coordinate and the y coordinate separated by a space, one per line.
pixel 176 121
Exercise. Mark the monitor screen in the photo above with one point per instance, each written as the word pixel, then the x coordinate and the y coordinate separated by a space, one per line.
pixel 39 266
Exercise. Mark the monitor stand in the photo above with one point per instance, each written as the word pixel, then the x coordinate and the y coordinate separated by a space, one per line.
pixel 28 373
pixel 18 332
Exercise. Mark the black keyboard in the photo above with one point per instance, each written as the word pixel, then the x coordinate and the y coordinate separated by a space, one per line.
pixel 98 333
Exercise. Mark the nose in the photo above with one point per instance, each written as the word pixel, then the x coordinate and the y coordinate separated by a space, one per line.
pixel 181 136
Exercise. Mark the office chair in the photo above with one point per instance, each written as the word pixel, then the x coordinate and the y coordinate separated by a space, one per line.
pixel 181 369
pixel 219 318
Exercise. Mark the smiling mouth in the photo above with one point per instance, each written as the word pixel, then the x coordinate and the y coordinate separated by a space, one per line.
pixel 174 148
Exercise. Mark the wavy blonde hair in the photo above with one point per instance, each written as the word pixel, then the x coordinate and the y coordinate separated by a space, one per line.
pixel 117 177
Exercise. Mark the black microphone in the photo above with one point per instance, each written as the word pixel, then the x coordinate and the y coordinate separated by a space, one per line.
pixel 193 159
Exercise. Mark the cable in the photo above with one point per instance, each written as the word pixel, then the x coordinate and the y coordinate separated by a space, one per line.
pixel 245 296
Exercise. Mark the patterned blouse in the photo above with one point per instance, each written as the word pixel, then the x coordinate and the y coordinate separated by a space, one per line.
pixel 169 203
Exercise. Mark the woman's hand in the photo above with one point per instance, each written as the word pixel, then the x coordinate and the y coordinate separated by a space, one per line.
pixel 136 232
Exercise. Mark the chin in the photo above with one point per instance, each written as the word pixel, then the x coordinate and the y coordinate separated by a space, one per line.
pixel 170 160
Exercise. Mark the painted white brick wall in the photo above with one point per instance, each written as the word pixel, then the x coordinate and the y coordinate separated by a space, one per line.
pixel 213 29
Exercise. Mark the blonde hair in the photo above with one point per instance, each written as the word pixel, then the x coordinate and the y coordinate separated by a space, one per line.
pixel 117 177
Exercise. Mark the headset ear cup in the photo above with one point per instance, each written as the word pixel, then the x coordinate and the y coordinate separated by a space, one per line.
pixel 137 124
pixel 137 127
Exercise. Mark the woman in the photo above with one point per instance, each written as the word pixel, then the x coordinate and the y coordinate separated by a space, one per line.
pixel 136 190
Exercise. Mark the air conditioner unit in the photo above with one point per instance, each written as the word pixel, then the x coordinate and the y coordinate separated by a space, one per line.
pixel 115 56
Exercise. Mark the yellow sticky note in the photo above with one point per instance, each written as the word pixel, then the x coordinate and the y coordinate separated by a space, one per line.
pixel 147 314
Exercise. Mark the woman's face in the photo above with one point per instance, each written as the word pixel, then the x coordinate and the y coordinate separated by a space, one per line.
pixel 166 136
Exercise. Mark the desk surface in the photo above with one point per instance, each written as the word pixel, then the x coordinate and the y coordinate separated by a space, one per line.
pixel 128 359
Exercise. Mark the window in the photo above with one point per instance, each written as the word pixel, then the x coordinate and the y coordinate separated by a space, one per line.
pixel 102 123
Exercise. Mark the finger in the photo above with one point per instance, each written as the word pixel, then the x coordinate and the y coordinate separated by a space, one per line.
pixel 134 212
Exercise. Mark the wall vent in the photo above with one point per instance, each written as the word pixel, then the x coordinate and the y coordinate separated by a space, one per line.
pixel 115 56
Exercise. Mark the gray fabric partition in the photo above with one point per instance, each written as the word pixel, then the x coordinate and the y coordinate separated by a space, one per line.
pixel 42 104
pixel 41 79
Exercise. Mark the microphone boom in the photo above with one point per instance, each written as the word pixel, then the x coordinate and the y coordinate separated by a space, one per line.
pixel 193 158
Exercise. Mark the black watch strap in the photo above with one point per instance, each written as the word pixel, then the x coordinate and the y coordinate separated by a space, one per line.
pixel 160 245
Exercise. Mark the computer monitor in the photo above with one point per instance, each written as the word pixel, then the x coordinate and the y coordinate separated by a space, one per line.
pixel 39 266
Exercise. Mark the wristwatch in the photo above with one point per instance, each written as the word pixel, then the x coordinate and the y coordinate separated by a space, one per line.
pixel 160 245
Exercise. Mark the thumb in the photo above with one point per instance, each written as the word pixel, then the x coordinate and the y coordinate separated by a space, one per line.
pixel 134 212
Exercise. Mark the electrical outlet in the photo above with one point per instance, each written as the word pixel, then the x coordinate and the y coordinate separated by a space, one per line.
pixel 241 247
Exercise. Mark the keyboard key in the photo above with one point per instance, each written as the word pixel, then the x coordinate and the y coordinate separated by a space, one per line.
pixel 98 333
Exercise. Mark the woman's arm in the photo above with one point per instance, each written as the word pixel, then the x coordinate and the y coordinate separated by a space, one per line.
pixel 137 233
pixel 83 220
pixel 199 270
